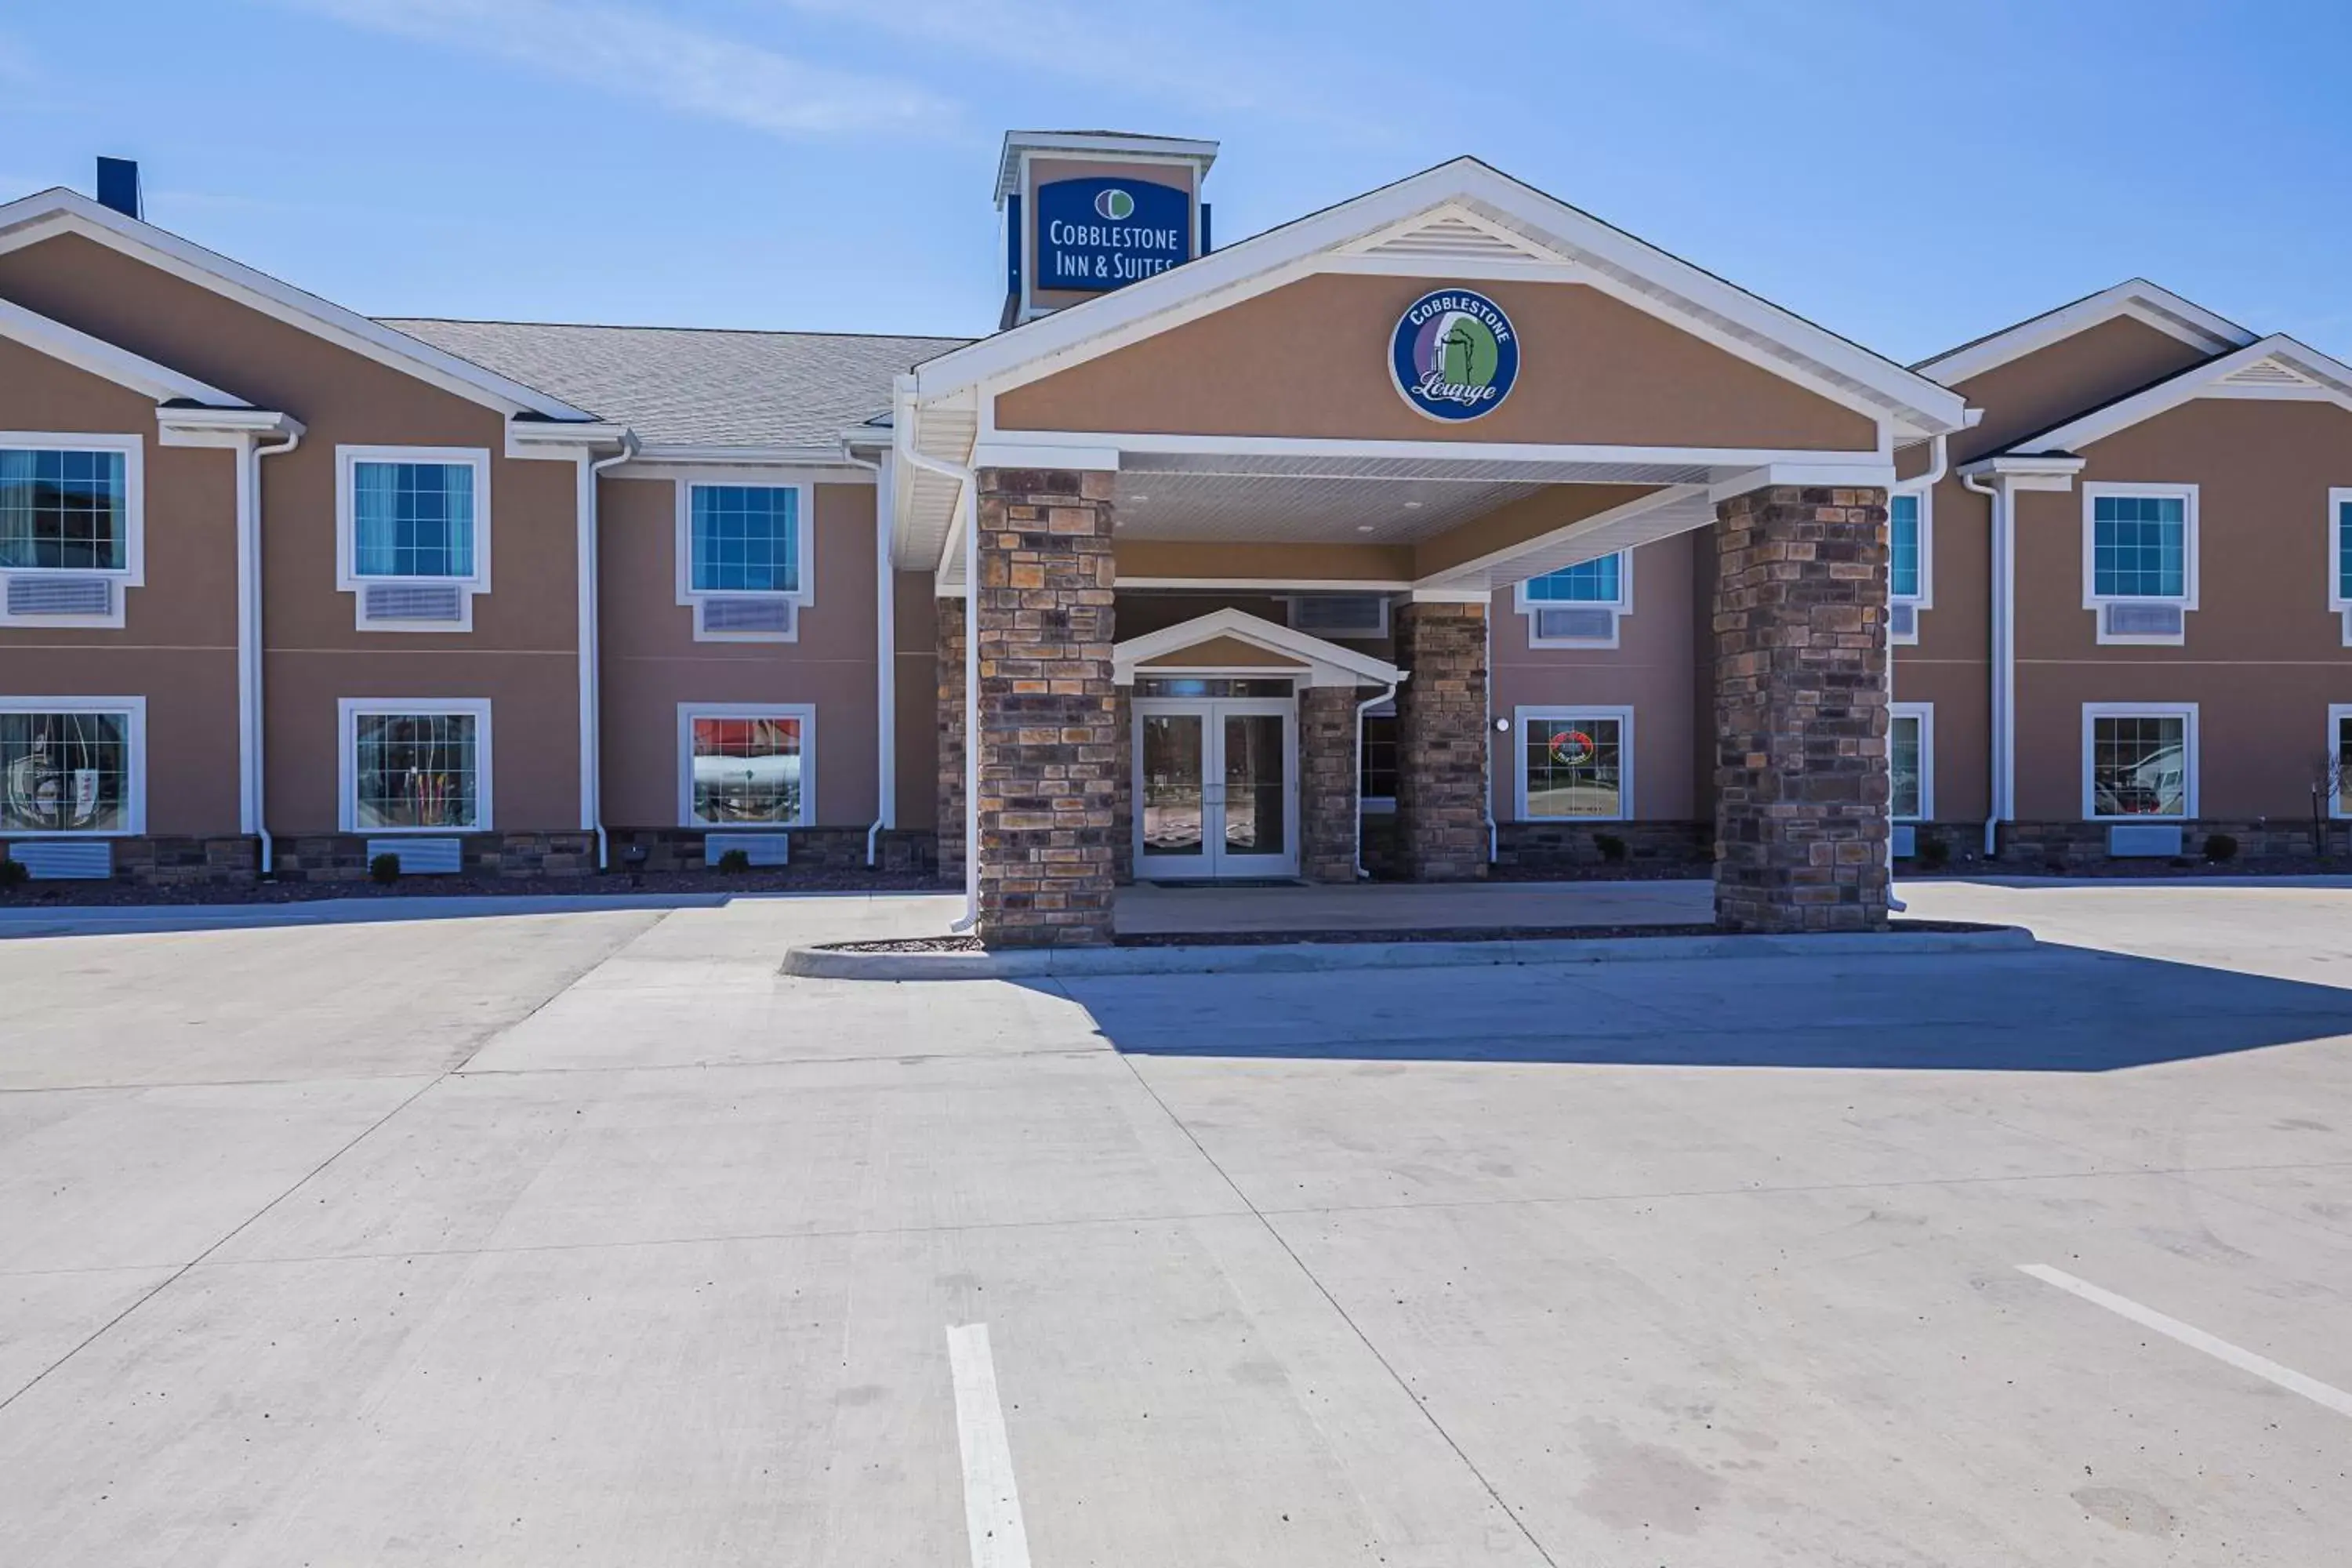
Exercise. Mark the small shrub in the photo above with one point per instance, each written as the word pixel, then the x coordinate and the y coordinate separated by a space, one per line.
pixel 735 860
pixel 2221 847
pixel 384 869
pixel 1932 853
pixel 1611 848
pixel 13 875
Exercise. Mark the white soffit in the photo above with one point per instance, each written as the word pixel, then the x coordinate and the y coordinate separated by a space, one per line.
pixel 2276 368
pixel 1298 508
pixel 2135 297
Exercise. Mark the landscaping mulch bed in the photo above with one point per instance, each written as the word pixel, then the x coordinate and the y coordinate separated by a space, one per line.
pixel 616 884
pixel 1423 934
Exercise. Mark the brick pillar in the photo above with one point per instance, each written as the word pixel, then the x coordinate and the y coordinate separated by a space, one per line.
pixel 1049 757
pixel 1326 784
pixel 1801 785
pixel 951 635
pixel 1441 823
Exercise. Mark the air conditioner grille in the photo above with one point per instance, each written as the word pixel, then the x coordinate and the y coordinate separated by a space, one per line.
pixel 42 594
pixel 438 603
pixel 65 860
pixel 2139 840
pixel 421 856
pixel 748 613
pixel 1903 620
pixel 2143 620
pixel 760 849
pixel 1576 623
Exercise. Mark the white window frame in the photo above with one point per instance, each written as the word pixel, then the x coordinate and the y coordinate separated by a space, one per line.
pixel 134 709
pixel 347 578
pixel 1925 599
pixel 805 538
pixel 2186 711
pixel 2337 499
pixel 2339 715
pixel 1521 716
pixel 350 710
pixel 132 573
pixel 1619 608
pixel 2186 599
pixel 1925 713
pixel 687 712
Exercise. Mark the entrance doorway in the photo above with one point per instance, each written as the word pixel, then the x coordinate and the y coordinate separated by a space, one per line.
pixel 1215 783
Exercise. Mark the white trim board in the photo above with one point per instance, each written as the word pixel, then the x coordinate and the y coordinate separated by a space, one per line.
pixel 2325 380
pixel 132 573
pixel 804 712
pixel 69 345
pixel 2092 494
pixel 1328 663
pixel 46 213
pixel 2135 297
pixel 134 789
pixel 348 579
pixel 802 597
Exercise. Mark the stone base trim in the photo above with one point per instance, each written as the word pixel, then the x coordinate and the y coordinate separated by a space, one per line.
pixel 2066 844
pixel 1579 847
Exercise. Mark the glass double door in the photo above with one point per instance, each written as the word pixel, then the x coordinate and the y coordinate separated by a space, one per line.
pixel 1214 787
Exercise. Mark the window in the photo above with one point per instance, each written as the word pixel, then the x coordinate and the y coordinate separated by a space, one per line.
pixel 1595 582
pixel 2339 761
pixel 72 765
pixel 1575 763
pixel 414 512
pixel 2139 547
pixel 1911 761
pixel 1375 778
pixel 64 510
pixel 747 765
pixel 2339 557
pixel 1902 539
pixel 415 766
pixel 745 539
pixel 2140 761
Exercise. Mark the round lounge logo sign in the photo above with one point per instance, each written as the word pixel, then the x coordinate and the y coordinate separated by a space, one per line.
pixel 1113 205
pixel 1454 355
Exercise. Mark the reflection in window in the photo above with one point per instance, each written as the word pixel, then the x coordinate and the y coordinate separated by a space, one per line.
pixel 63 511
pixel 1574 765
pixel 2139 764
pixel 1904 759
pixel 745 539
pixel 65 772
pixel 1903 540
pixel 413 520
pixel 748 771
pixel 416 769
pixel 1596 582
pixel 2139 547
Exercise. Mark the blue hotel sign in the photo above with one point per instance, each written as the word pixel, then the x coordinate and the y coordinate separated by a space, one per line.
pixel 1098 234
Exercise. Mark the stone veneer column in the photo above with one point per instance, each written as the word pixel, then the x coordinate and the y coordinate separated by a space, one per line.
pixel 1801 780
pixel 1441 823
pixel 949 638
pixel 1326 784
pixel 1049 757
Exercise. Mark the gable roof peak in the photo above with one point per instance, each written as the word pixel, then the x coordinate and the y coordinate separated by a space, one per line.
pixel 2137 299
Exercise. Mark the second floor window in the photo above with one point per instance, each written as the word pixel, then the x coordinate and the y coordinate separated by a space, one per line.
pixel 63 510
pixel 2139 547
pixel 745 539
pixel 1903 535
pixel 1595 582
pixel 413 520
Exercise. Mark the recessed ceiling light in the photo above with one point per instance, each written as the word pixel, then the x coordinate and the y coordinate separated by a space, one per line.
pixel 1139 497
pixel 1363 528
pixel 1413 506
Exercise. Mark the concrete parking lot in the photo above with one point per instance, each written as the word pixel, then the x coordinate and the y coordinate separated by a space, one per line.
pixel 585 1238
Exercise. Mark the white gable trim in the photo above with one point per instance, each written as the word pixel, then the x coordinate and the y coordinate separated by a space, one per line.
pixel 1328 663
pixel 2318 378
pixel 50 212
pixel 1640 274
pixel 103 359
pixel 2135 297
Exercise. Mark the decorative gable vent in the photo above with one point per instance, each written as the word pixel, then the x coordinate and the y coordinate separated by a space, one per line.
pixel 1340 615
pixel 1457 236
pixel 2268 372
pixel 43 594
pixel 428 604
pixel 1576 623
pixel 747 614
pixel 2128 618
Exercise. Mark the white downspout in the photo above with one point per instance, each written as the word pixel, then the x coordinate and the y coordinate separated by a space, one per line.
pixel 252 762
pixel 1938 466
pixel 886 657
pixel 2003 660
pixel 591 651
pixel 1362 709
pixel 968 501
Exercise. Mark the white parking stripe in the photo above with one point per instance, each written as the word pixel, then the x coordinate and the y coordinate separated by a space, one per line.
pixel 991 1507
pixel 2269 1371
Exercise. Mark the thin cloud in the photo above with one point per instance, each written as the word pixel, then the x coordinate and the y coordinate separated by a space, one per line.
pixel 637 54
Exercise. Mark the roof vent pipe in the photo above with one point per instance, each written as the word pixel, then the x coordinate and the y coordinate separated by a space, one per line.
pixel 118 187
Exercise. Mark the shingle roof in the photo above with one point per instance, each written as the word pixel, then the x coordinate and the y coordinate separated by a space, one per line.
pixel 689 385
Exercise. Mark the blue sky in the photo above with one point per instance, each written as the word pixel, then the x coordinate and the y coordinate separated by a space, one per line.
pixel 1910 175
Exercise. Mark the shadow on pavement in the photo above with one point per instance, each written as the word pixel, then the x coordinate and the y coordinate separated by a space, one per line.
pixel 2053 1009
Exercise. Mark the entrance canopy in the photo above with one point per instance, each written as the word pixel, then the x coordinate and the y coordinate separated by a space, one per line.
pixel 1447 385
pixel 1234 642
